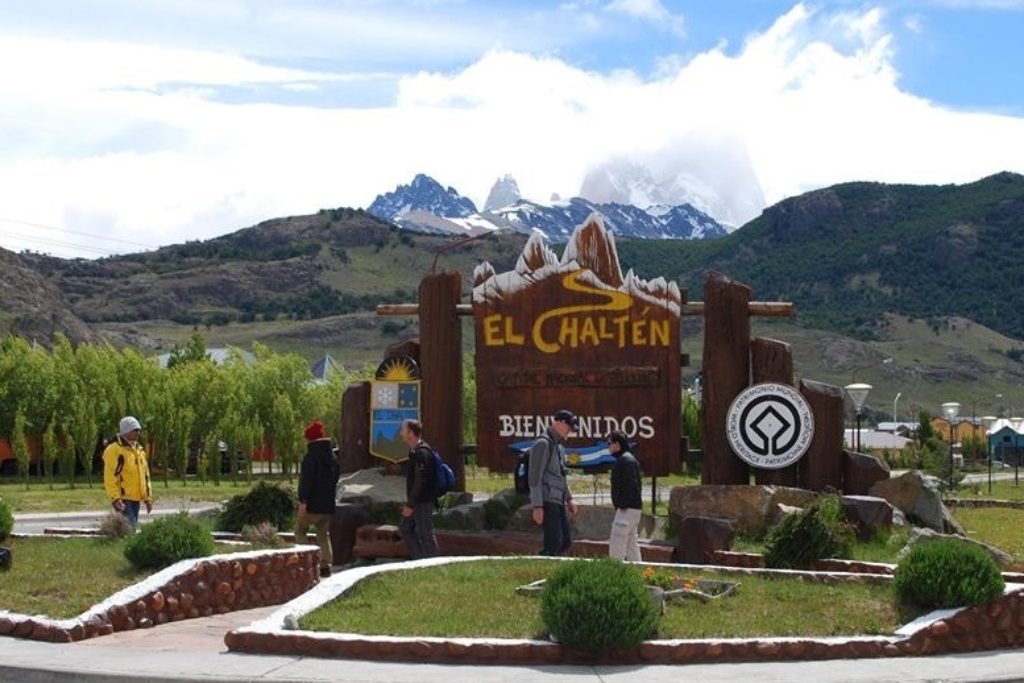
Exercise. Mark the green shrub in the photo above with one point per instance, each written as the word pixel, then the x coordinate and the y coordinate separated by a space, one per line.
pixel 167 540
pixel 816 532
pixel 598 606
pixel 947 573
pixel 264 502
pixel 6 520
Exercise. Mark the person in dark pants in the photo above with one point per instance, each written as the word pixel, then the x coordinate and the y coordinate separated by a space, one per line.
pixel 417 525
pixel 550 496
pixel 627 500
pixel 318 481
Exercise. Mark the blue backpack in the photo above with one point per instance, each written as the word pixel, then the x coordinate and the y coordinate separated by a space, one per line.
pixel 445 476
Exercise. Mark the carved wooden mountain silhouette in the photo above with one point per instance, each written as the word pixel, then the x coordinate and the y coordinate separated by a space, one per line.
pixel 590 248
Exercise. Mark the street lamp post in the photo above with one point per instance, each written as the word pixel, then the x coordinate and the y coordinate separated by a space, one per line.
pixel 858 393
pixel 895 401
pixel 950 410
pixel 988 421
pixel 1015 423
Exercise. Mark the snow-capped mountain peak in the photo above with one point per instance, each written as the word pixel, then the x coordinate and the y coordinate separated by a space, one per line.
pixel 423 194
pixel 425 206
pixel 504 192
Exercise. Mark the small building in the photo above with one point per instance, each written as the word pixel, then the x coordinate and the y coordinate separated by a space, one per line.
pixel 1006 442
pixel 323 368
pixel 876 439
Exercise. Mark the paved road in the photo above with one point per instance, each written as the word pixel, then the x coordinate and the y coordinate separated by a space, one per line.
pixel 39 522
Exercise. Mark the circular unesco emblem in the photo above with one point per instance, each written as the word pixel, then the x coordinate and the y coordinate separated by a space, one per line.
pixel 769 425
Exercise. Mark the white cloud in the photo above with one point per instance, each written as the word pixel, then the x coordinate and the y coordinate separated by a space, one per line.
pixel 649 10
pixel 145 143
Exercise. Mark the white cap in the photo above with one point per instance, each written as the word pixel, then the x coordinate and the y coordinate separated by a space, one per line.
pixel 128 424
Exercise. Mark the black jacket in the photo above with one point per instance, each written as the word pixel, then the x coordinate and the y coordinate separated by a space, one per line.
pixel 626 483
pixel 420 477
pixel 318 478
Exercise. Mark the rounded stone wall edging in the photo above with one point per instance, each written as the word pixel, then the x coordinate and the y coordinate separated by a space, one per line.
pixel 188 589
pixel 999 624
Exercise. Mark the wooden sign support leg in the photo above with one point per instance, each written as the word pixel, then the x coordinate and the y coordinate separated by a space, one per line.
pixel 726 372
pixel 772 361
pixel 441 366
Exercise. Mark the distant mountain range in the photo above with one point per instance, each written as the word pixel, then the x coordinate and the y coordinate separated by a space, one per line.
pixel 851 258
pixel 425 206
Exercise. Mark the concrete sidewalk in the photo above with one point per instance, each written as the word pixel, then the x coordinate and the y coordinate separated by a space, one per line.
pixel 194 650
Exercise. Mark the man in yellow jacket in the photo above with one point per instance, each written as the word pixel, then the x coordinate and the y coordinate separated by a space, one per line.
pixel 126 472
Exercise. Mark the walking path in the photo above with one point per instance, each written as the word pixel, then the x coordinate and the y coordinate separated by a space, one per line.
pixel 193 650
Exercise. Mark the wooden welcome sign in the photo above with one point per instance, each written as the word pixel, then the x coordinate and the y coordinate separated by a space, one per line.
pixel 575 333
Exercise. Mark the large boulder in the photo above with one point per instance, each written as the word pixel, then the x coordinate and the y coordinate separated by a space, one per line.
pixel 861 472
pixel 920 535
pixel 751 510
pixel 868 513
pixel 591 522
pixel 371 485
pixel 918 497
pixel 469 517
pixel 701 537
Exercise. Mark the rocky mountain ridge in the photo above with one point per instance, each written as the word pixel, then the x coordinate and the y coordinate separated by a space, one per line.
pixel 425 206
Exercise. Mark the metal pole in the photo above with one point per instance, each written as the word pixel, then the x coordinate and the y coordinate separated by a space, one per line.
pixel 654 496
pixel 989 451
pixel 951 455
pixel 858 431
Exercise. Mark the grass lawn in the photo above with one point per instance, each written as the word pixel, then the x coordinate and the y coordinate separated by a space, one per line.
pixel 449 599
pixel 63 577
pixel 478 599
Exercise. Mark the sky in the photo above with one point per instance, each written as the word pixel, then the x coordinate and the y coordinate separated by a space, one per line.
pixel 126 125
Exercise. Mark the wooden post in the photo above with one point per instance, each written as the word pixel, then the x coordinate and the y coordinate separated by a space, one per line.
pixel 771 360
pixel 726 372
pixel 441 366
pixel 821 467
pixel 354 449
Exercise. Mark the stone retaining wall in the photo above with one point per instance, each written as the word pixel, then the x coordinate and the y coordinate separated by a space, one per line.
pixel 999 624
pixel 186 590
pixel 983 503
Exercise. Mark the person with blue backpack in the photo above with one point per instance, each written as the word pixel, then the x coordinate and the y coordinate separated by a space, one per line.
pixel 417 524
pixel 550 496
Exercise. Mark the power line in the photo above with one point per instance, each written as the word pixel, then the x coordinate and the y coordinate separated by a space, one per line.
pixel 76 232
pixel 55 243
pixel 74 245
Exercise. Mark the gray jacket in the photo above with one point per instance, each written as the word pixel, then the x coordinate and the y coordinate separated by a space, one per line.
pixel 548 481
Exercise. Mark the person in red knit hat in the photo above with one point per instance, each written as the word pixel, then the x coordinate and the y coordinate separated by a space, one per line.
pixel 318 481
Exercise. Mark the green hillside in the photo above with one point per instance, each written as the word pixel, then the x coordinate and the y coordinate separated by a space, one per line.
pixel 849 254
pixel 925 275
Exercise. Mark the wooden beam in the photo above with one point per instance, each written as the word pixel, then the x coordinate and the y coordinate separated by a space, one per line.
pixel 770 309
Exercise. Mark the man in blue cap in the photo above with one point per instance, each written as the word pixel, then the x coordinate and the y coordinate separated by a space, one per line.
pixel 550 496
